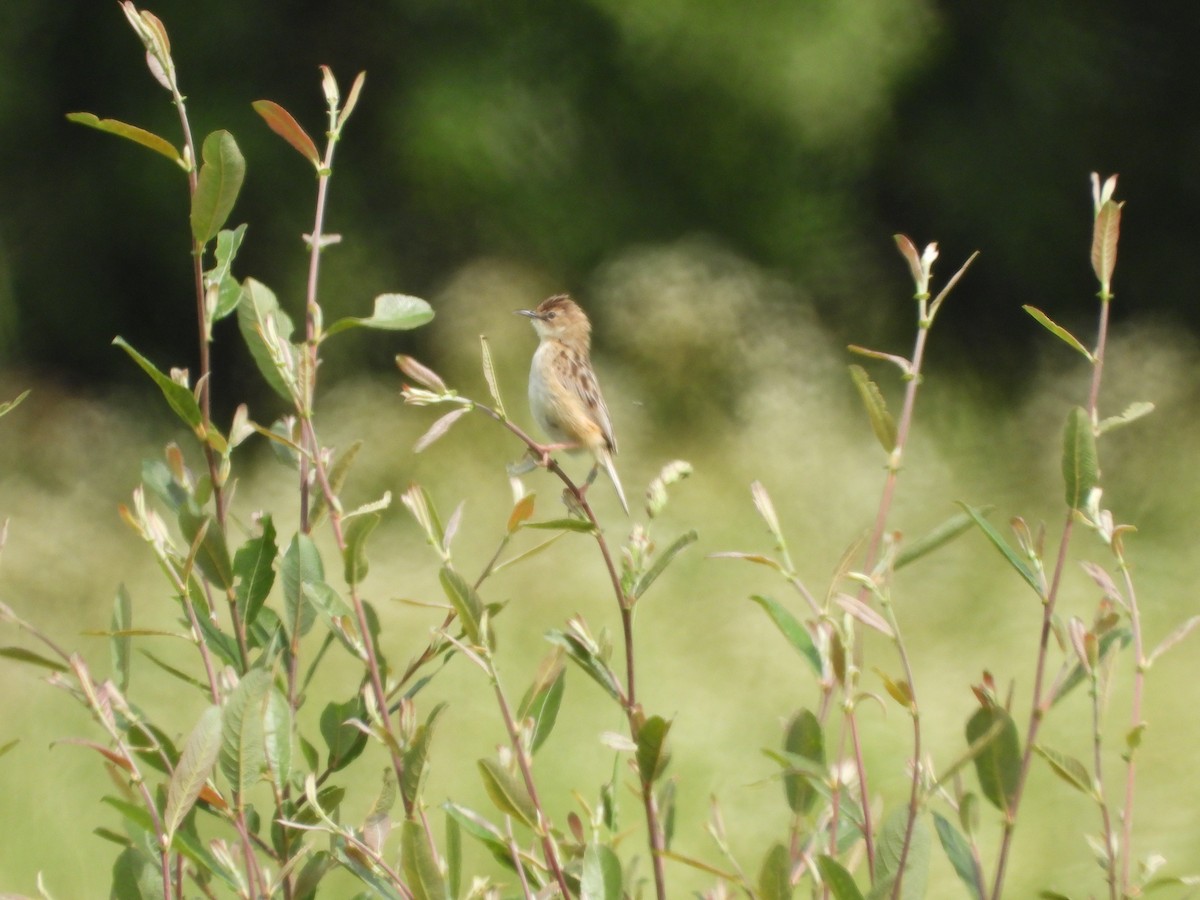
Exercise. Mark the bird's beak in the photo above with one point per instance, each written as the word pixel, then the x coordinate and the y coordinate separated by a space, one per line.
pixel 531 313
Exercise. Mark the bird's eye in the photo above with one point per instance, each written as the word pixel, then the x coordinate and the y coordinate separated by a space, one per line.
pixel 549 315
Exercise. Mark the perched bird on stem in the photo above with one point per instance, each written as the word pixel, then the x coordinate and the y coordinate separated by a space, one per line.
pixel 564 395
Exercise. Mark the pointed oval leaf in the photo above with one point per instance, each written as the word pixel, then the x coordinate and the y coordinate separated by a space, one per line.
pixel 1058 331
pixel 795 633
pixel 939 536
pixel 601 875
pixel 891 847
pixel 1068 768
pixel 277 737
pixel 393 312
pixel 259 305
pixel 357 531
pixel 179 398
pixel 285 125
pixel 242 734
pixel 420 868
pixel 212 557
pixel 958 851
pixel 837 879
pixel 195 765
pixel 663 560
pixel 129 132
pixel 998 764
pixel 439 428
pixel 582 655
pixel 774 875
pixel 509 794
pixel 301 563
pixel 1011 555
pixel 120 642
pixel 344 741
pixel 416 755
pixel 653 755
pixel 882 423
pixel 465 601
pixel 805 738
pixel 254 568
pixel 1105 234
pixel 217 186
pixel 1080 464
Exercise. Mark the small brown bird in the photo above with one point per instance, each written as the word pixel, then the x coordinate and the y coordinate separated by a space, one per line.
pixel 564 395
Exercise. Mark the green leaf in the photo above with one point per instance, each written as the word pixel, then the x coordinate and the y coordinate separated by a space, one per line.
pixel 229 289
pixel 661 562
pixel 129 132
pixel 1077 674
pixel 583 656
pixel 1080 465
pixel 185 843
pixel 453 855
pixel 465 602
pixel 254 568
pixel 805 738
pixel 20 654
pixel 941 535
pixel 120 642
pixel 416 756
pixel 890 847
pixel 212 558
pixel 393 312
pixel 358 530
pixel 277 736
pixel 420 868
pixel 508 793
pixel 217 186
pixel 242 735
pixel 301 564
pixel 653 754
pixel 795 633
pixel 1002 545
pixel 285 125
pixel 483 831
pixel 195 765
pixel 1069 769
pixel 1059 332
pixel 601 876
pixel 9 405
pixel 998 765
pixel 580 525
pixel 135 876
pixel 1132 413
pixel 1105 233
pixel 543 699
pixel 258 314
pixel 179 398
pixel 774 876
pixel 958 851
pixel 344 741
pixel 839 881
pixel 882 422
pixel 489 375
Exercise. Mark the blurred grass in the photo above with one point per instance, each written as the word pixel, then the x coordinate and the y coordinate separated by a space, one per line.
pixel 702 357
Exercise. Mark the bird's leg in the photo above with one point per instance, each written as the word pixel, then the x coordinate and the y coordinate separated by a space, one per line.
pixel 543 451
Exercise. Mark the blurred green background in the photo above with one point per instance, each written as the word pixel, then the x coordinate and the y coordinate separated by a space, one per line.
pixel 718 183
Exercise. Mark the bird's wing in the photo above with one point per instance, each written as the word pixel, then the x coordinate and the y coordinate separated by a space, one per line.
pixel 585 384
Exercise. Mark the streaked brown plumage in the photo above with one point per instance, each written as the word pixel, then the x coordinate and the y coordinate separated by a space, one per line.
pixel 564 395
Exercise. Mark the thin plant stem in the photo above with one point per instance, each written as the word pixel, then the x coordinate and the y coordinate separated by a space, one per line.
pixel 549 850
pixel 629 701
pixel 1038 712
pixel 1135 716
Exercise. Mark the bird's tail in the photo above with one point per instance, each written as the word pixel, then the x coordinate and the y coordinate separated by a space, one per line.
pixel 604 458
